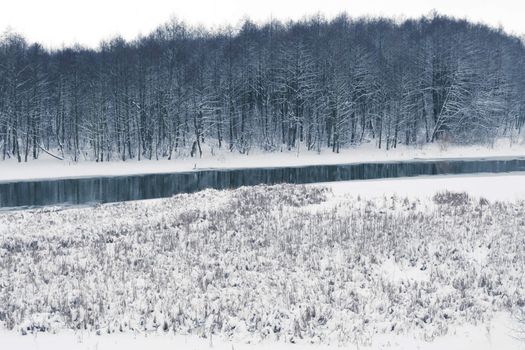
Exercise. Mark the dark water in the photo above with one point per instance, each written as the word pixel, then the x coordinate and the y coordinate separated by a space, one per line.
pixel 124 188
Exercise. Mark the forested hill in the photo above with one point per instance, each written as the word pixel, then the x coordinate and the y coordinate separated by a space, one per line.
pixel 314 83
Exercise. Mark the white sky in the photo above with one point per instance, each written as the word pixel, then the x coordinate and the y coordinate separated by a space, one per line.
pixel 57 22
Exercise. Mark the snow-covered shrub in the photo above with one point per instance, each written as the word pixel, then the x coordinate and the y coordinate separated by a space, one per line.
pixel 451 198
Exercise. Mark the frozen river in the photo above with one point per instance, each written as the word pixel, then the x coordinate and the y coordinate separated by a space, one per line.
pixel 106 189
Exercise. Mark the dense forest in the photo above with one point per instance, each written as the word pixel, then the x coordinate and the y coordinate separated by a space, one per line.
pixel 311 84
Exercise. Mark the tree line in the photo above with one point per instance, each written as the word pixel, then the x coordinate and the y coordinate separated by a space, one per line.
pixel 309 84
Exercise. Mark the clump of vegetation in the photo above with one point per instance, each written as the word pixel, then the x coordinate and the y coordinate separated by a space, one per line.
pixel 454 199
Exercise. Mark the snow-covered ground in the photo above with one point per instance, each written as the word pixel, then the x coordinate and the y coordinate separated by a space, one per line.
pixel 496 187
pixel 272 266
pixel 498 334
pixel 49 168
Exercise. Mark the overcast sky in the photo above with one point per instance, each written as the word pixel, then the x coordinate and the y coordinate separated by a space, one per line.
pixel 57 22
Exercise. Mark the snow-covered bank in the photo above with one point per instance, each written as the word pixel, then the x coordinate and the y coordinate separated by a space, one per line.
pixel 49 168
pixel 498 334
pixel 268 265
pixel 496 187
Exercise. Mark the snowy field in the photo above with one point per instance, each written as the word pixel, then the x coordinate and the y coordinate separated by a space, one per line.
pixel 51 168
pixel 495 187
pixel 364 265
